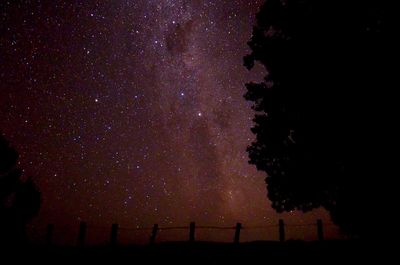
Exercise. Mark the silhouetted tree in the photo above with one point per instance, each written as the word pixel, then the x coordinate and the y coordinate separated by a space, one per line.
pixel 19 200
pixel 324 113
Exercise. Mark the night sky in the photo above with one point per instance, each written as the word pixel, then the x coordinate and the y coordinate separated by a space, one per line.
pixel 133 111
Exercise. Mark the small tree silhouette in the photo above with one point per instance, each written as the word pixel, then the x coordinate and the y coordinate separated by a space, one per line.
pixel 19 200
pixel 322 115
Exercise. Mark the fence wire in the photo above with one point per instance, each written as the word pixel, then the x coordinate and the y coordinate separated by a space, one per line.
pixel 98 234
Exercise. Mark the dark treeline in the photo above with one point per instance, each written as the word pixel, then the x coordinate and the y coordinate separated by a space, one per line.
pixel 325 114
pixel 19 198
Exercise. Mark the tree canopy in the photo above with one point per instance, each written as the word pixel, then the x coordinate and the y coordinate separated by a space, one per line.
pixel 19 199
pixel 324 113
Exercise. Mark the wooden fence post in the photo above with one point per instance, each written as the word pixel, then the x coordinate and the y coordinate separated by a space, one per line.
pixel 154 234
pixel 82 234
pixel 281 230
pixel 192 231
pixel 49 234
pixel 237 232
pixel 320 230
pixel 114 234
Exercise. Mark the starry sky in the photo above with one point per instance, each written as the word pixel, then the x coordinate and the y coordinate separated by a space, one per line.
pixel 133 112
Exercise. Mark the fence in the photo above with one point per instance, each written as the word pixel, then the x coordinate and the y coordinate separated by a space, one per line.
pixel 153 232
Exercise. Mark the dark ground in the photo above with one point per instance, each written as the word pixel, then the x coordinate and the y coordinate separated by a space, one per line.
pixel 291 252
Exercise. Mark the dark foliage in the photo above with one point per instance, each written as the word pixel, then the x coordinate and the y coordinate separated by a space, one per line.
pixel 19 200
pixel 324 116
